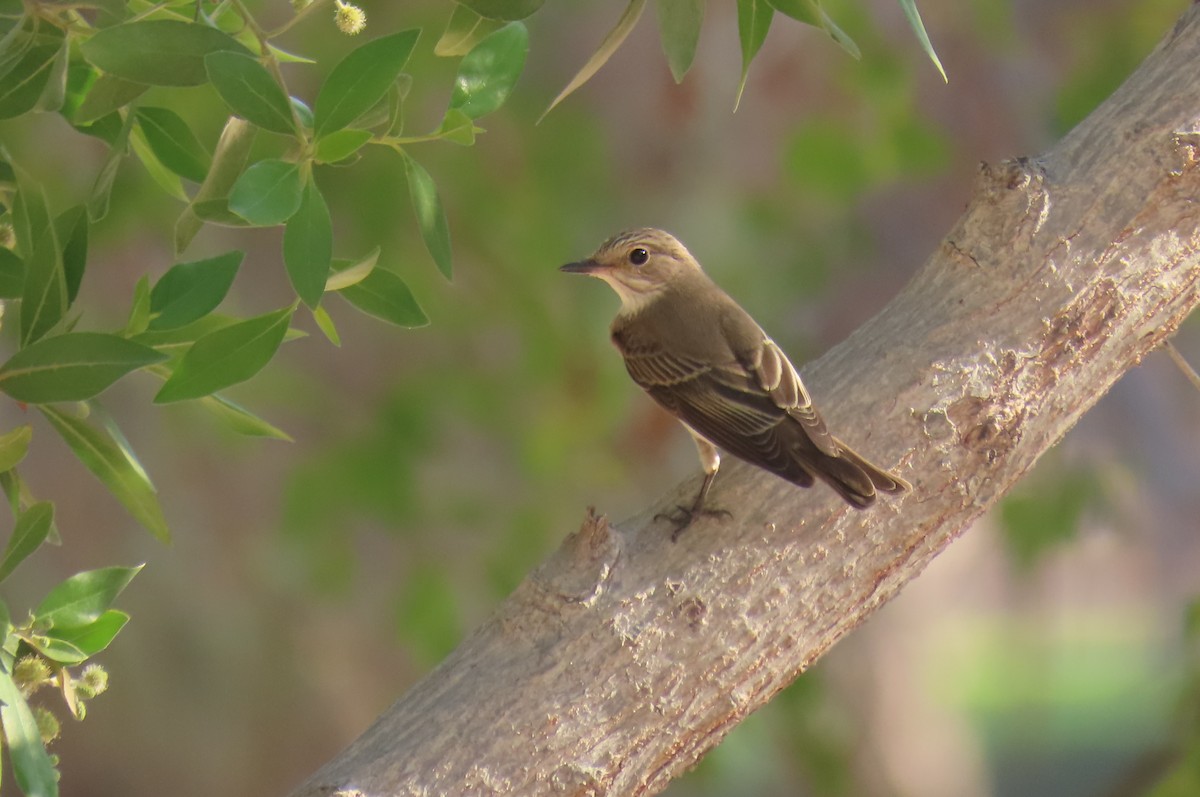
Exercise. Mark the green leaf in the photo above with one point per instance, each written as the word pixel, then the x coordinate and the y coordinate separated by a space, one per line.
pixel 267 193
pixel 241 420
pixel 463 31
pixel 225 357
pixel 71 226
pixel 93 637
pixel 284 57
pixel 349 272
pixel 13 446
pixel 108 129
pixel 457 127
pixel 166 179
pixel 326 325
pixel 173 143
pixel 233 149
pixel 109 93
pixel 29 532
pixel 914 20
pixel 54 93
pixel 387 115
pixel 84 597
pixel 216 211
pixel 384 295
pixel 113 466
pixel 12 274
pixel 340 145
pixel 754 20
pixel 44 296
pixel 81 76
pixel 806 11
pixel 303 112
pixel 506 10
pixel 56 650
pixel 250 91
pixel 430 216
pixel 488 73
pixel 31 764
pixel 612 41
pixel 102 188
pixel 190 291
pixel 139 313
pixel 840 36
pixel 72 367
pixel 184 336
pixel 11 484
pixel 31 216
pixel 308 246
pixel 24 83
pixel 159 52
pixel 360 80
pixel 679 23
pixel 810 12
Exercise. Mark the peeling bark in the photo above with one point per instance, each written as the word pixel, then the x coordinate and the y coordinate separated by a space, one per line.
pixel 622 659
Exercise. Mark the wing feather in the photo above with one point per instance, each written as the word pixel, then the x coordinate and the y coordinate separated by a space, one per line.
pixel 777 376
pixel 749 400
pixel 749 408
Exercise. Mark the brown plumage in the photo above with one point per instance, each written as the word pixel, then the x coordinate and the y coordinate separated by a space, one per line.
pixel 705 360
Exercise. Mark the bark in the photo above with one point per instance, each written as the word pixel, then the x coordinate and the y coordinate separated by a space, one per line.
pixel 622 659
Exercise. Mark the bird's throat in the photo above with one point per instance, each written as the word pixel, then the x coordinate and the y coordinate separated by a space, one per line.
pixel 634 299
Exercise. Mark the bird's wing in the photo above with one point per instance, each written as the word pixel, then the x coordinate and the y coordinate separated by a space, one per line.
pixel 651 366
pixel 775 374
pixel 745 408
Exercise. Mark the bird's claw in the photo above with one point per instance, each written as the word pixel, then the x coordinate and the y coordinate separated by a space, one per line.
pixel 684 516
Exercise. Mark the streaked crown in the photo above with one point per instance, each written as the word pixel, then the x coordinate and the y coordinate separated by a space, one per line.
pixel 654 240
pixel 639 265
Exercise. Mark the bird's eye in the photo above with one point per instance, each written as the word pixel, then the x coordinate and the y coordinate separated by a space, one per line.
pixel 638 256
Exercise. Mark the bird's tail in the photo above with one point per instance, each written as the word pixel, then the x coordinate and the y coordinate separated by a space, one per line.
pixel 852 476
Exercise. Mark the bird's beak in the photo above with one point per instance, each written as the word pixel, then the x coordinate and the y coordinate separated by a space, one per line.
pixel 588 266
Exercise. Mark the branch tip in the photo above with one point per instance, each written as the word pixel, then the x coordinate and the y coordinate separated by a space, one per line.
pixel 579 570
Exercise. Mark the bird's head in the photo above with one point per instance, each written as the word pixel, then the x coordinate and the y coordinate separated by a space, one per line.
pixel 639 265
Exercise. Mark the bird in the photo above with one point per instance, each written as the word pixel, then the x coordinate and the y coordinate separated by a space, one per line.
pixel 701 357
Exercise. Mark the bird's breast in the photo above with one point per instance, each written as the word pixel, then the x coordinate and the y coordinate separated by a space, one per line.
pixel 679 322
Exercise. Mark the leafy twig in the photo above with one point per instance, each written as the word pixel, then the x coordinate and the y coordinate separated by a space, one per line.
pixel 1183 364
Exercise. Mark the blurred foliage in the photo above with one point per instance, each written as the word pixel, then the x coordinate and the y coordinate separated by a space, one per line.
pixel 98 69
pixel 1105 48
pixel 1045 512
pixel 73 623
pixel 1181 777
pixel 1093 689
pixel 681 21
pixel 804 743
pixel 432 470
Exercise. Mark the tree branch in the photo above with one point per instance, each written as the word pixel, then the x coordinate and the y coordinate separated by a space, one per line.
pixel 624 657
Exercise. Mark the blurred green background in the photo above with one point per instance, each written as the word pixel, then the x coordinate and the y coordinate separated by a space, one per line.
pixel 309 584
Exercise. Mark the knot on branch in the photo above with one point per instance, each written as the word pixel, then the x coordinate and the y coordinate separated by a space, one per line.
pixel 985 427
pixel 577 780
pixel 577 572
pixel 1010 208
pixel 1009 175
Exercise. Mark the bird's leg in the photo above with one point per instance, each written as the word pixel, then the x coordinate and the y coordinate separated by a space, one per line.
pixel 683 516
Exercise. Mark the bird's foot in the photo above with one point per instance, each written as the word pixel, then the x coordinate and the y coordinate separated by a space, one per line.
pixel 684 516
